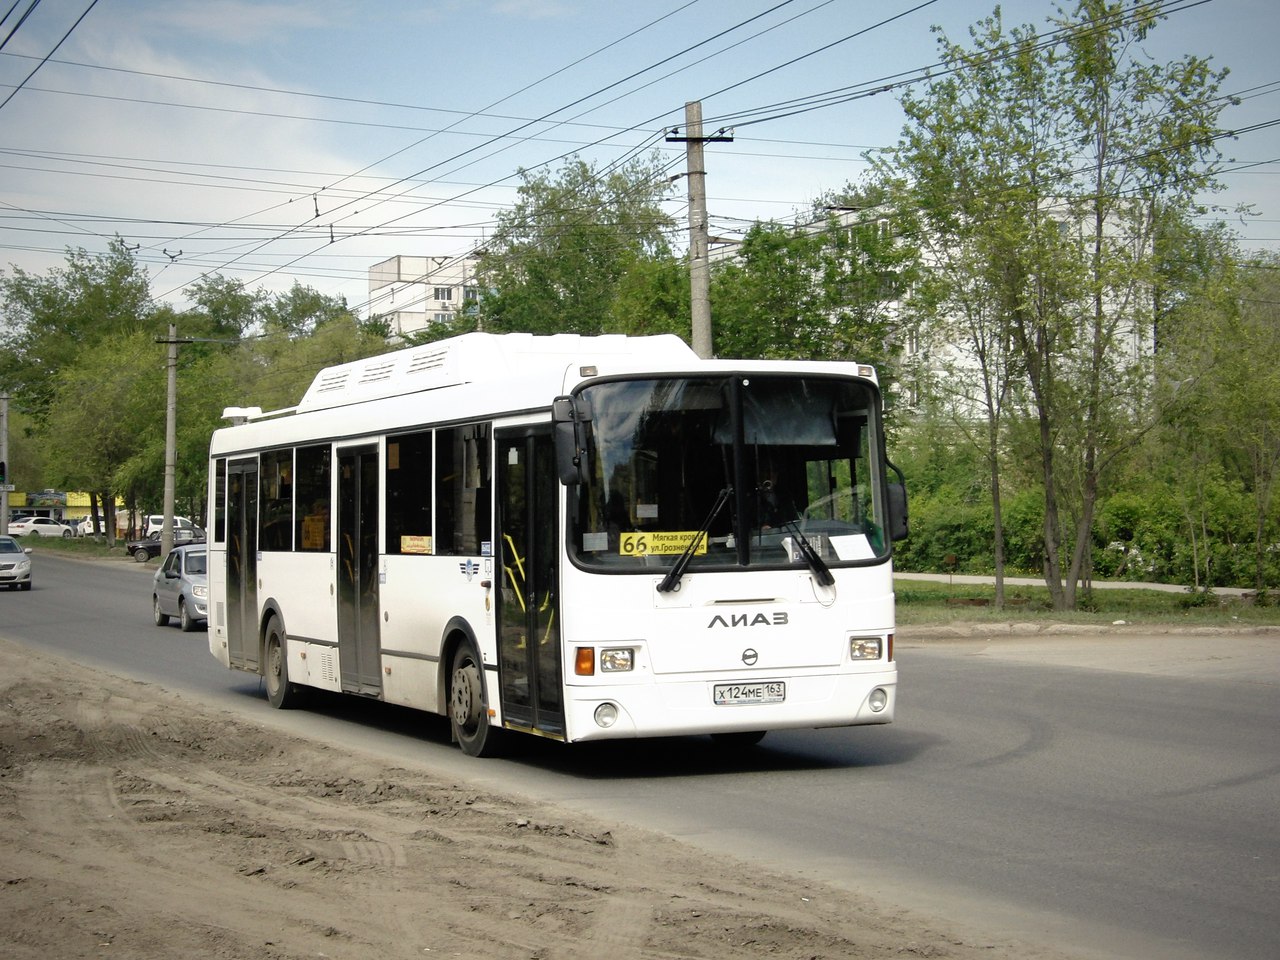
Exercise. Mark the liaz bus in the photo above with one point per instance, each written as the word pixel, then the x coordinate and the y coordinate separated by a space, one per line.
pixel 578 538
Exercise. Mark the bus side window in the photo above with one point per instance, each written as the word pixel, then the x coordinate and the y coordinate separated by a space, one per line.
pixel 463 479
pixel 219 505
pixel 408 511
pixel 312 487
pixel 275 501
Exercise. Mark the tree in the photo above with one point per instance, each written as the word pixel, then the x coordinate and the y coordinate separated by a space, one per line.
pixel 1039 168
pixel 103 413
pixel 823 290
pixel 1224 357
pixel 558 258
pixel 66 335
pixel 50 319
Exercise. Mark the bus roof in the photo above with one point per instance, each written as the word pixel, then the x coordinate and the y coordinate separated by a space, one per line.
pixel 477 357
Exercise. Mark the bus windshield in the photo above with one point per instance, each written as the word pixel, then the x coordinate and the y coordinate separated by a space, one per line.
pixel 729 472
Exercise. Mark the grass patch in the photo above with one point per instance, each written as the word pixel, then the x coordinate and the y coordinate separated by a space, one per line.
pixel 924 602
pixel 86 548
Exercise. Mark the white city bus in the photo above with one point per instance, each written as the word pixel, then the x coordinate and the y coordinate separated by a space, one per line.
pixel 574 537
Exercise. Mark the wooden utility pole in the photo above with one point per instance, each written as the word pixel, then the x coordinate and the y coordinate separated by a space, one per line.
pixel 699 266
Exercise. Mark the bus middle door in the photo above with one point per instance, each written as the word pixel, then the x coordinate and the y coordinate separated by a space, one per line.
pixel 528 599
pixel 358 597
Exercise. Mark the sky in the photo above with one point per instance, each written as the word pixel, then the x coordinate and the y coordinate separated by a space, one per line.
pixel 282 141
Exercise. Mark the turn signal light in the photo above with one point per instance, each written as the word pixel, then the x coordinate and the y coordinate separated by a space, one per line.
pixel 584 662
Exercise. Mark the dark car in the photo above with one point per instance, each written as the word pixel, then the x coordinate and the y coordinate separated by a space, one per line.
pixel 149 547
pixel 180 588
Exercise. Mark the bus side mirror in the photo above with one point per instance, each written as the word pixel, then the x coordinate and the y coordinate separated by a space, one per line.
pixel 897 505
pixel 897 511
pixel 569 418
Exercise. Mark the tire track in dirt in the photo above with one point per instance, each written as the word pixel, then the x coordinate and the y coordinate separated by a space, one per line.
pixel 137 825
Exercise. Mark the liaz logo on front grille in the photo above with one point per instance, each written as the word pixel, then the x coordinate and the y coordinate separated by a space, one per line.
pixel 746 620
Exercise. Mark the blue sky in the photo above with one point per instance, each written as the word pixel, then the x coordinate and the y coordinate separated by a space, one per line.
pixel 237 137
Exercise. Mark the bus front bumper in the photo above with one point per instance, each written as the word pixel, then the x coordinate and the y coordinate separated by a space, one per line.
pixel 690 707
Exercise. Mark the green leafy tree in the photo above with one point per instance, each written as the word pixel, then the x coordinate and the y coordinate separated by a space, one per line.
pixel 104 413
pixel 824 290
pixel 559 257
pixel 49 319
pixel 1041 166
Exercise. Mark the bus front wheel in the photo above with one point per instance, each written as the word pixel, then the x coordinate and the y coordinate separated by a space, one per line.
pixel 468 712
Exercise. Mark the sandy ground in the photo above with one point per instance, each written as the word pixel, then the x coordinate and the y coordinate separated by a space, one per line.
pixel 137 824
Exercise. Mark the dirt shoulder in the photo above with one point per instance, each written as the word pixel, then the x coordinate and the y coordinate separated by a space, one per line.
pixel 136 824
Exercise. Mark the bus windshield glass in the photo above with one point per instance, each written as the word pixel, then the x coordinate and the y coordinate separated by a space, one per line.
pixel 730 472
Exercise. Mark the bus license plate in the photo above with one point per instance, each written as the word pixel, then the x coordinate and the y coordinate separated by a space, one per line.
pixel 731 694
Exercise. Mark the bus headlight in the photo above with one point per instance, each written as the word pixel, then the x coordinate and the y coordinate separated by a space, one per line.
pixel 878 700
pixel 864 648
pixel 606 715
pixel 617 659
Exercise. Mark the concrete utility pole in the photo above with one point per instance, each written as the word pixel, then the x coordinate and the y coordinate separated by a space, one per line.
pixel 4 459
pixel 170 443
pixel 699 266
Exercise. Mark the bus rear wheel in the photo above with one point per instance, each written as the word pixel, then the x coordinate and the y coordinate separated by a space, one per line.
pixel 281 694
pixel 468 712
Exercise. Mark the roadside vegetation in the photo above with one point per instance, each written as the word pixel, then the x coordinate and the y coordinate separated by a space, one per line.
pixel 1081 366
pixel 927 603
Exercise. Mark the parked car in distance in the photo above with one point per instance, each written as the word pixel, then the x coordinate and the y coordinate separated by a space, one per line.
pixel 155 523
pixel 39 527
pixel 85 527
pixel 148 548
pixel 181 588
pixel 15 564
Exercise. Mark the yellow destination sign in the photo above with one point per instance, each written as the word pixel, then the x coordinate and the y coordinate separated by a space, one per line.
pixel 664 542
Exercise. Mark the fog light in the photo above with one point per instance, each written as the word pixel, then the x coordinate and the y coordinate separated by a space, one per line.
pixel 606 715
pixel 616 660
pixel 878 700
pixel 864 648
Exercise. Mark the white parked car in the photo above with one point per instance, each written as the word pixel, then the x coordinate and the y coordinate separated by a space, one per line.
pixel 39 527
pixel 155 523
pixel 85 527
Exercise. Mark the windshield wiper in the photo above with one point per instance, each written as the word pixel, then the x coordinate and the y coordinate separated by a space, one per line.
pixel 672 579
pixel 821 572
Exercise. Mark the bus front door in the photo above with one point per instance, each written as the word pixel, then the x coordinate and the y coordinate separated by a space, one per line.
pixel 358 637
pixel 528 600
pixel 242 563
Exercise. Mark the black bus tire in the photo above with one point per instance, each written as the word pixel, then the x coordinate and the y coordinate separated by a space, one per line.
pixel 468 711
pixel 281 694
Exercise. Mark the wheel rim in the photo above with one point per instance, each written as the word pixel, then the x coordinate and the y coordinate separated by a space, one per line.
pixel 155 609
pixel 275 662
pixel 465 702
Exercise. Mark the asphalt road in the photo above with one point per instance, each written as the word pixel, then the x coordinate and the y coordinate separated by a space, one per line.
pixel 1115 794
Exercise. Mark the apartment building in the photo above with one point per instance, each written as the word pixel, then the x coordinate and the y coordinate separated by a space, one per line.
pixel 414 292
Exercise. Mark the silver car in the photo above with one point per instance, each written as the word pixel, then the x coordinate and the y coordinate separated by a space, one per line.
pixel 15 564
pixel 181 588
